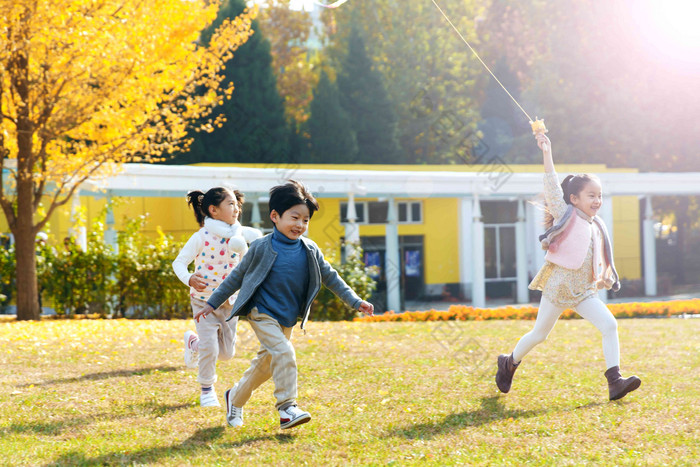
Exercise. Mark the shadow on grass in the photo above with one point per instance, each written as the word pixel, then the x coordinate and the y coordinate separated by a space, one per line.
pixel 281 438
pixel 201 440
pixel 53 428
pixel 160 410
pixel 590 405
pixel 491 409
pixel 57 427
pixel 105 375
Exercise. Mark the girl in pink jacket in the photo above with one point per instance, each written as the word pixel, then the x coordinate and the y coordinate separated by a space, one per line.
pixel 579 262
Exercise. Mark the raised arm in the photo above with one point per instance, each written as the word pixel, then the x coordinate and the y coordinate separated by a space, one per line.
pixel 553 194
pixel 546 146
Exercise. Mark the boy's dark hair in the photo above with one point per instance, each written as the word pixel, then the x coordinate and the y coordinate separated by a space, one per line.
pixel 283 197
pixel 201 202
pixel 572 185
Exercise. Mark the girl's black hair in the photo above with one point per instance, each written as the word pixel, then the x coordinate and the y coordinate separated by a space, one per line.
pixel 572 185
pixel 283 197
pixel 240 200
pixel 201 202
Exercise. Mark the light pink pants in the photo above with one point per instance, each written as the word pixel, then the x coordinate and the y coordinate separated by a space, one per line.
pixel 217 339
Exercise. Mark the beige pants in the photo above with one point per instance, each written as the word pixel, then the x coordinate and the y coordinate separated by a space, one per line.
pixel 276 359
pixel 217 339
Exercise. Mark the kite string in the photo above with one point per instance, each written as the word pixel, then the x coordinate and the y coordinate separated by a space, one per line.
pixel 482 62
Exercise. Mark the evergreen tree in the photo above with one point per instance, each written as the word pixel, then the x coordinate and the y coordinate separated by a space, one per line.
pixel 365 99
pixel 505 132
pixel 255 129
pixel 331 136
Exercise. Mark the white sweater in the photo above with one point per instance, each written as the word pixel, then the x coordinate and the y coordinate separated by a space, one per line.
pixel 239 238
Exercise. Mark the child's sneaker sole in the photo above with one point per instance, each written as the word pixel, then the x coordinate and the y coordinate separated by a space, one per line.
pixel 296 422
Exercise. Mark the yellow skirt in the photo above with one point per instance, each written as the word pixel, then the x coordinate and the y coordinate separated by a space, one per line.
pixel 565 287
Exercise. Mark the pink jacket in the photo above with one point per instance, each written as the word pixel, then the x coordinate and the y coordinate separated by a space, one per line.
pixel 567 244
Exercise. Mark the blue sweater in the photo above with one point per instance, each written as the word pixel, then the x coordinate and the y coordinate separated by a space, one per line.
pixel 282 293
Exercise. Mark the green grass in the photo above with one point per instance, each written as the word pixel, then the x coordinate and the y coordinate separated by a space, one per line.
pixel 91 392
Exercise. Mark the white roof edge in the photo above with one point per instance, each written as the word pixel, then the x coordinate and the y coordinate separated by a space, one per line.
pixel 145 178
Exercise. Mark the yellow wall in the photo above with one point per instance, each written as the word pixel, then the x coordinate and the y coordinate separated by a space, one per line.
pixel 440 230
pixel 170 214
pixel 325 228
pixel 626 233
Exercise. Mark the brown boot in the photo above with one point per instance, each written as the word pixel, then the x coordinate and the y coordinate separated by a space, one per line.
pixel 506 370
pixel 618 386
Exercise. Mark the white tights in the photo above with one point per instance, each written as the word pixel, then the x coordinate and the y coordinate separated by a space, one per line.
pixel 592 309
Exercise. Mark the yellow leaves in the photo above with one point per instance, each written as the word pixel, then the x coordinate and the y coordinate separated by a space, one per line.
pixel 284 28
pixel 78 333
pixel 463 312
pixel 112 80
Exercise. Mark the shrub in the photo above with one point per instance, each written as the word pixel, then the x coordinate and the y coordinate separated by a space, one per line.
pixel 327 306
pixel 77 281
pixel 7 273
pixel 134 280
pixel 146 285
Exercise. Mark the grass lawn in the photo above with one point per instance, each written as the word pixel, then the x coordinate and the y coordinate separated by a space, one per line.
pixel 91 392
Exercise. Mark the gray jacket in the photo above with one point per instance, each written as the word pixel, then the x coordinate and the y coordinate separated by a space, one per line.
pixel 256 265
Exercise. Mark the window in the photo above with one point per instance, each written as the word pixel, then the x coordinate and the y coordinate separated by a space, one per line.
pixel 499 239
pixel 499 252
pixel 376 212
pixel 403 212
pixel 265 222
pixel 499 212
pixel 360 209
pixel 410 212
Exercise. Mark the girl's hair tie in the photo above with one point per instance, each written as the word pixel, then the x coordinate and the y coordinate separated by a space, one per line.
pixel 200 198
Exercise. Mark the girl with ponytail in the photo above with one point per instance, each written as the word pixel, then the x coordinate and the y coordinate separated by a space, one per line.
pixel 578 262
pixel 216 248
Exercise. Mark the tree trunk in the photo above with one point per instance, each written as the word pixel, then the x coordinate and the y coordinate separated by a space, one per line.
pixel 23 228
pixel 25 253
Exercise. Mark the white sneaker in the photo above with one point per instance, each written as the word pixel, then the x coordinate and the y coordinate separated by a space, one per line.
pixel 234 415
pixel 293 416
pixel 191 357
pixel 209 399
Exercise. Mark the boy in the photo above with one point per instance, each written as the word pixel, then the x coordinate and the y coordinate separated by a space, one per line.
pixel 278 279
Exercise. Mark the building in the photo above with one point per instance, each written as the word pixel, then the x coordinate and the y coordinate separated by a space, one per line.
pixel 467 231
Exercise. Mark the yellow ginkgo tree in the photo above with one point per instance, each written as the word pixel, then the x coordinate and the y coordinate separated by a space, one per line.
pixel 86 85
